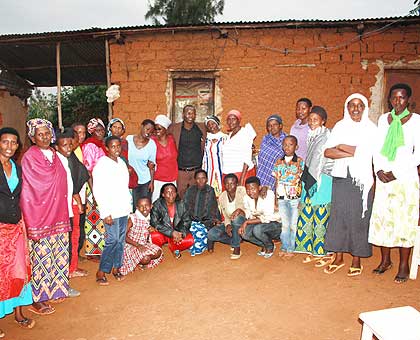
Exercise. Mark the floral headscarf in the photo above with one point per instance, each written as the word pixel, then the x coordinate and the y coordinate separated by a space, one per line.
pixel 93 124
pixel 112 122
pixel 35 123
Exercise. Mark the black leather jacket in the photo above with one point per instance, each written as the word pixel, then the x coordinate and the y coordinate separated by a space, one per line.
pixel 9 201
pixel 159 218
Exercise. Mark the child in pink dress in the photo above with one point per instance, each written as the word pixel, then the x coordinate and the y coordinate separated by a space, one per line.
pixel 139 249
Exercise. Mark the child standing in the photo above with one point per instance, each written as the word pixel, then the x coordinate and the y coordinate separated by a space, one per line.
pixel 287 172
pixel 139 249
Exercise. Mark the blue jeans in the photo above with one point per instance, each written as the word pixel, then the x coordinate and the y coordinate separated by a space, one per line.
pixel 112 255
pixel 289 212
pixel 218 234
pixel 261 234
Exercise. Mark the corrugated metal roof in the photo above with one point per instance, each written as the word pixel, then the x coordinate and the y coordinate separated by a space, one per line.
pixel 32 56
pixel 238 24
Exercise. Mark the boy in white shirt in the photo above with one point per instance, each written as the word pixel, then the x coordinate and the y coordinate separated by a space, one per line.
pixel 261 224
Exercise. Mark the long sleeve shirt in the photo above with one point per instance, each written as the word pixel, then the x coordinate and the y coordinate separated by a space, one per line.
pixel 110 187
pixel 263 209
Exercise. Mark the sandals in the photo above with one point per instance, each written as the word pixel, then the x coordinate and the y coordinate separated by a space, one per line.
pixel 2 334
pixel 102 281
pixel 400 279
pixel 118 276
pixel 380 270
pixel 177 254
pixel 310 258
pixel 78 273
pixel 26 323
pixel 57 301
pixel 354 271
pixel 44 310
pixel 235 256
pixel 323 261
pixel 332 268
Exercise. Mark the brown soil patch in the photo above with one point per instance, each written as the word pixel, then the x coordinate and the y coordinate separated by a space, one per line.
pixel 213 297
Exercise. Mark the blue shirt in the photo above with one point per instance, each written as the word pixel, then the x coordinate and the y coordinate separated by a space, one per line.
pixel 138 158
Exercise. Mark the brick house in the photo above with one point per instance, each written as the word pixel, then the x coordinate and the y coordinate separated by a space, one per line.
pixel 258 68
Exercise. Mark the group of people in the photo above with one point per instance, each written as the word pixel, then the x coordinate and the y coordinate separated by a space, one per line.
pixel 189 185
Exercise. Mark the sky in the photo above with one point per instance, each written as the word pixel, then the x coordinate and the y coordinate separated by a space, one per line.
pixel 32 16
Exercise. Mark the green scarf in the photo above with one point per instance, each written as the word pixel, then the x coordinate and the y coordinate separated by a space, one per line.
pixel 395 136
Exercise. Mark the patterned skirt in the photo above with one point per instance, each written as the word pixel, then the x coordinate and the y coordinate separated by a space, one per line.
pixel 94 227
pixel 395 214
pixel 311 228
pixel 50 267
pixel 133 256
pixel 199 232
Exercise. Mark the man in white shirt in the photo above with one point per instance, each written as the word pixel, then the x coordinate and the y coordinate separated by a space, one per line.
pixel 261 224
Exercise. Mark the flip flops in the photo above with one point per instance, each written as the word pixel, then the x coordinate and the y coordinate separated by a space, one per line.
pixel 26 323
pixel 354 271
pixel 102 281
pixel 310 258
pixel 323 261
pixel 380 270
pixel 44 310
pixel 332 268
pixel 118 276
pixel 400 279
pixel 2 334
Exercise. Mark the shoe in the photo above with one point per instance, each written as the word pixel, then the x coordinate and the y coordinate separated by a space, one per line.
pixel 261 253
pixel 332 268
pixel 73 293
pixel 44 310
pixel 353 271
pixel 78 273
pixel 268 255
pixel 400 279
pixel 26 323
pixel 310 258
pixel 102 281
pixel 177 254
pixel 235 256
pixel 323 261
pixel 118 276
pixel 380 270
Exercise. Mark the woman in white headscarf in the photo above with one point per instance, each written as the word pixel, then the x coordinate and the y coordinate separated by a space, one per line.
pixel 213 149
pixel 166 155
pixel 350 145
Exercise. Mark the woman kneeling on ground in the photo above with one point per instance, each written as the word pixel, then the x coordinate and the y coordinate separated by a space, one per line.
pixel 172 221
pixel 200 201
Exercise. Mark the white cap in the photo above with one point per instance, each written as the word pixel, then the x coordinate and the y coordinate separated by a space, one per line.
pixel 163 121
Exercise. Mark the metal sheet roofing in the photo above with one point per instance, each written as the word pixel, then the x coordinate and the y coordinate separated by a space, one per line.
pixel 32 56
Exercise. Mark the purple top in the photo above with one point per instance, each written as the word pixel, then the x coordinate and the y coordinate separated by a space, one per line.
pixel 301 133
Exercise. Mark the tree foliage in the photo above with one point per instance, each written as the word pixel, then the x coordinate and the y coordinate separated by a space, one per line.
pixel 182 12
pixel 78 104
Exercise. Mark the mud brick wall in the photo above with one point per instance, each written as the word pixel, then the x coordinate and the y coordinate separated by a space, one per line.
pixel 256 74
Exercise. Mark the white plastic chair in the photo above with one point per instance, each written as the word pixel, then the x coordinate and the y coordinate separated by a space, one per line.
pixel 415 259
pixel 401 323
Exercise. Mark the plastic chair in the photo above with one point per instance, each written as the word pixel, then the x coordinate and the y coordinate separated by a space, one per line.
pixel 401 323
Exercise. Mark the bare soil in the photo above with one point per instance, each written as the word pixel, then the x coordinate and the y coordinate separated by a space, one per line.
pixel 212 297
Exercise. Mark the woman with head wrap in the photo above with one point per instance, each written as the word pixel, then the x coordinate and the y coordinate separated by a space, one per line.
pixel 15 269
pixel 44 208
pixel 237 150
pixel 314 210
pixel 271 149
pixel 300 127
pixel 166 155
pixel 395 209
pixel 350 145
pixel 93 149
pixel 213 150
pixel 116 127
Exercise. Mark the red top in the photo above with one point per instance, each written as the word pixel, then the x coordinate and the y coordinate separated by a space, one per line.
pixel 171 212
pixel 166 160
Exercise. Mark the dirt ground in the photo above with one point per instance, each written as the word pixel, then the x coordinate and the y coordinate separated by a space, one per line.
pixel 212 297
